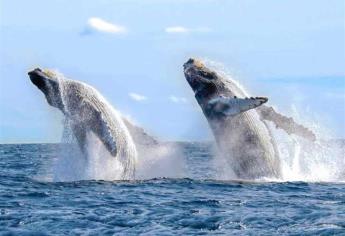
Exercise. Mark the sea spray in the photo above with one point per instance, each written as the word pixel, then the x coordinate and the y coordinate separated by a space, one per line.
pixel 322 160
pixel 163 160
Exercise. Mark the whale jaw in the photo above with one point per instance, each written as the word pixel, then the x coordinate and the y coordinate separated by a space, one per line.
pixel 202 80
pixel 48 85
pixel 37 78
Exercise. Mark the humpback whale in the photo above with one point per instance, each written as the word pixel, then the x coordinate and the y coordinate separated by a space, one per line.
pixel 238 122
pixel 87 111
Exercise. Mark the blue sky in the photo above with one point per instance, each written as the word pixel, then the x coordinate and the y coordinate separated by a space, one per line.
pixel 133 51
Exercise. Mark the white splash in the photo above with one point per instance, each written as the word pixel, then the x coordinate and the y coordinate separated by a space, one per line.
pixel 303 160
pixel 164 160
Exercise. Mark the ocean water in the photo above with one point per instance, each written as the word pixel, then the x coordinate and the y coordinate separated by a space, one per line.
pixel 192 202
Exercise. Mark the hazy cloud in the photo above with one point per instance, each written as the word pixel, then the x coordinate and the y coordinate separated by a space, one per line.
pixel 182 29
pixel 101 25
pixel 176 29
pixel 137 97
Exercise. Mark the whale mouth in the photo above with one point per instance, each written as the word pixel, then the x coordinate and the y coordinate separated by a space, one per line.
pixel 48 84
pixel 43 79
pixel 197 73
pixel 201 79
pixel 38 78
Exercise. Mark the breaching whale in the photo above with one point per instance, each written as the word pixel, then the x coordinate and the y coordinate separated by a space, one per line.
pixel 241 132
pixel 87 111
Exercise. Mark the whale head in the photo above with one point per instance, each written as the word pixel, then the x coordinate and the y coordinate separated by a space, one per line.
pixel 48 83
pixel 206 83
pixel 219 97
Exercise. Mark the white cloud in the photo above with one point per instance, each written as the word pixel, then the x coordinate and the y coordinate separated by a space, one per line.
pixel 181 29
pixel 176 29
pixel 178 99
pixel 137 97
pixel 104 26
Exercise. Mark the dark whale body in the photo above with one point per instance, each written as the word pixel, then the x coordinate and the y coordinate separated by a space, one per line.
pixel 238 123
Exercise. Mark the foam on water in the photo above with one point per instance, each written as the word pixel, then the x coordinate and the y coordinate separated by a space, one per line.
pixel 303 160
pixel 96 164
pixel 164 160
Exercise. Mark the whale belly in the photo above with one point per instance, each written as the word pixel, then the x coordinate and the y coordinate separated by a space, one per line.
pixel 245 142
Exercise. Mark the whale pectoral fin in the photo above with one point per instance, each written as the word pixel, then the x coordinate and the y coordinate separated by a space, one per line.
pixel 286 123
pixel 80 134
pixel 232 106
pixel 100 127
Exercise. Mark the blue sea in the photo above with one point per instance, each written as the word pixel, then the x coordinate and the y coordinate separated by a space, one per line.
pixel 194 204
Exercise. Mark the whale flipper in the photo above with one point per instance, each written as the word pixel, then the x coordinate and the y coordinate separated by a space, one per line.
pixel 285 123
pixel 227 106
pixel 80 134
pixel 102 129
